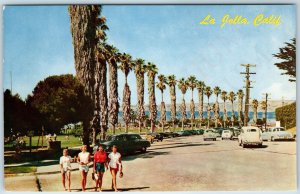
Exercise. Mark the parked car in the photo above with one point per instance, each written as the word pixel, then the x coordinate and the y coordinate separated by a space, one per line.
pixel 126 143
pixel 155 137
pixel 277 133
pixel 184 133
pixel 227 134
pixel 165 135
pixel 209 134
pixel 174 134
pixel 250 136
pixel 236 133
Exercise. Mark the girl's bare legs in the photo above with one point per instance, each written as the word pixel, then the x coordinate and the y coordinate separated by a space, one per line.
pixel 83 180
pixel 114 180
pixel 100 177
pixel 69 180
pixel 63 178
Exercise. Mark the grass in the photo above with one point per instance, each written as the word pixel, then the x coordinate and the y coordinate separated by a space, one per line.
pixel 71 142
pixel 19 169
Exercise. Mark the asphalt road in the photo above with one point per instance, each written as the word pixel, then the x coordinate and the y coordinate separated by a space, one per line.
pixel 191 164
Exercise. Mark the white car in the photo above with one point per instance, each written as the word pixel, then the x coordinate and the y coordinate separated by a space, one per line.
pixel 277 133
pixel 250 136
pixel 227 134
pixel 209 134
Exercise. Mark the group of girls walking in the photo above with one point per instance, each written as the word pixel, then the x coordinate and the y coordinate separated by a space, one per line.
pixel 102 162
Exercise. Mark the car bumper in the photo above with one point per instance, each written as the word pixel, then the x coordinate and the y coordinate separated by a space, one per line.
pixel 284 138
pixel 253 143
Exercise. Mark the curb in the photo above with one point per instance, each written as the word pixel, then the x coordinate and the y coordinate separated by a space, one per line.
pixel 38 173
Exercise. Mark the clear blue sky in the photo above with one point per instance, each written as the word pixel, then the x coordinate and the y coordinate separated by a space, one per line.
pixel 37 44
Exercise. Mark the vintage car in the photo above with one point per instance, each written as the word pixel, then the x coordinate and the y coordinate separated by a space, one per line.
pixel 154 137
pixel 250 136
pixel 126 143
pixel 209 134
pixel 276 133
pixel 227 134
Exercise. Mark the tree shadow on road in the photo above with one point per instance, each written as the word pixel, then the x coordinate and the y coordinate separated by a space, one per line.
pixel 183 145
pixel 149 154
pixel 109 190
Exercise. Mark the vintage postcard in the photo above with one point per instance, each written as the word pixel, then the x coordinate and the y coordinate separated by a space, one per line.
pixel 149 97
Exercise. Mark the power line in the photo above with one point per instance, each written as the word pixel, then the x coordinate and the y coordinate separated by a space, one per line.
pixel 266 110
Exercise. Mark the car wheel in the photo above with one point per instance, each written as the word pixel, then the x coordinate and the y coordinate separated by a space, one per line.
pixel 204 139
pixel 222 138
pixel 144 149
pixel 260 145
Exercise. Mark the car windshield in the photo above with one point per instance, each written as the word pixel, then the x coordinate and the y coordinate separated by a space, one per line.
pixel 133 137
pixel 209 131
pixel 280 129
pixel 109 138
pixel 251 130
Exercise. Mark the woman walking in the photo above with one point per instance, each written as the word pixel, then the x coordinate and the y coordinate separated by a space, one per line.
pixel 83 160
pixel 100 163
pixel 114 159
pixel 65 168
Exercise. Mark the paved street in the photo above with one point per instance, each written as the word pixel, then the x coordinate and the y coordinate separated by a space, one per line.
pixel 191 164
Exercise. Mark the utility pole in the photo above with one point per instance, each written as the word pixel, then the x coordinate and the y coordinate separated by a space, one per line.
pixel 247 88
pixel 266 110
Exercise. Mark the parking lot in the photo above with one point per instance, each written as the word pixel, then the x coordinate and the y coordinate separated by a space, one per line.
pixel 191 164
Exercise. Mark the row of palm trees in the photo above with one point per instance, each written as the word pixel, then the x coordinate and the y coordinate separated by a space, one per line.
pixel 93 55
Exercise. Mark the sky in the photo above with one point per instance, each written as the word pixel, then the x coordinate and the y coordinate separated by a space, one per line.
pixel 38 43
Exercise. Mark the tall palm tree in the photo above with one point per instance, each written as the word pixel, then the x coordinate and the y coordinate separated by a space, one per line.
pixel 254 107
pixel 208 92
pixel 171 81
pixel 151 73
pixel 224 98
pixel 183 86
pixel 139 70
pixel 240 95
pixel 217 92
pixel 200 87
pixel 126 67
pixel 263 105
pixel 101 76
pixel 192 83
pixel 161 85
pixel 83 30
pixel 231 98
pixel 113 58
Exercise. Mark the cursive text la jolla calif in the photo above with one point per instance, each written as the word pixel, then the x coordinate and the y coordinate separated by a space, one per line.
pixel 260 19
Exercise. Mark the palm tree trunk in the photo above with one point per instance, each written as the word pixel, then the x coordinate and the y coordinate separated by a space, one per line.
pixel 113 94
pixel 83 29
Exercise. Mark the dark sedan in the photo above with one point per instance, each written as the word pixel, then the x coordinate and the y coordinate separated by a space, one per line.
pixel 126 143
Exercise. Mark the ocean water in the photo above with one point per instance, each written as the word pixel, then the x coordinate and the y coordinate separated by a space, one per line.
pixel 270 115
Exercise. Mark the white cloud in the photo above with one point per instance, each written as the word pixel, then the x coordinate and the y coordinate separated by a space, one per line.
pixel 279 90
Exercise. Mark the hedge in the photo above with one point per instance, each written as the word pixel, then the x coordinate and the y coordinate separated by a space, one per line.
pixel 286 115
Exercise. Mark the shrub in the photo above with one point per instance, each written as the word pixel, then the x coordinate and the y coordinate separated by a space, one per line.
pixel 287 115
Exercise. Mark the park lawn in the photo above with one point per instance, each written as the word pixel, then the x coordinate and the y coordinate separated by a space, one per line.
pixel 19 169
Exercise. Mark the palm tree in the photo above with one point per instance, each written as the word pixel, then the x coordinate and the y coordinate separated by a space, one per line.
pixel 240 95
pixel 113 58
pixel 161 85
pixel 151 72
pixel 171 81
pixel 101 77
pixel 200 87
pixel 83 29
pixel 224 98
pixel 208 92
pixel 192 83
pixel 263 105
pixel 231 98
pixel 126 67
pixel 254 107
pixel 139 70
pixel 217 92
pixel 183 86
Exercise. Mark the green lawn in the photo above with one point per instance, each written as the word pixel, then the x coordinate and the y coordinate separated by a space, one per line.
pixel 19 169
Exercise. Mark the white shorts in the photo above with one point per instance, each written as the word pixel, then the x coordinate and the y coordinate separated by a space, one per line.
pixel 83 168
